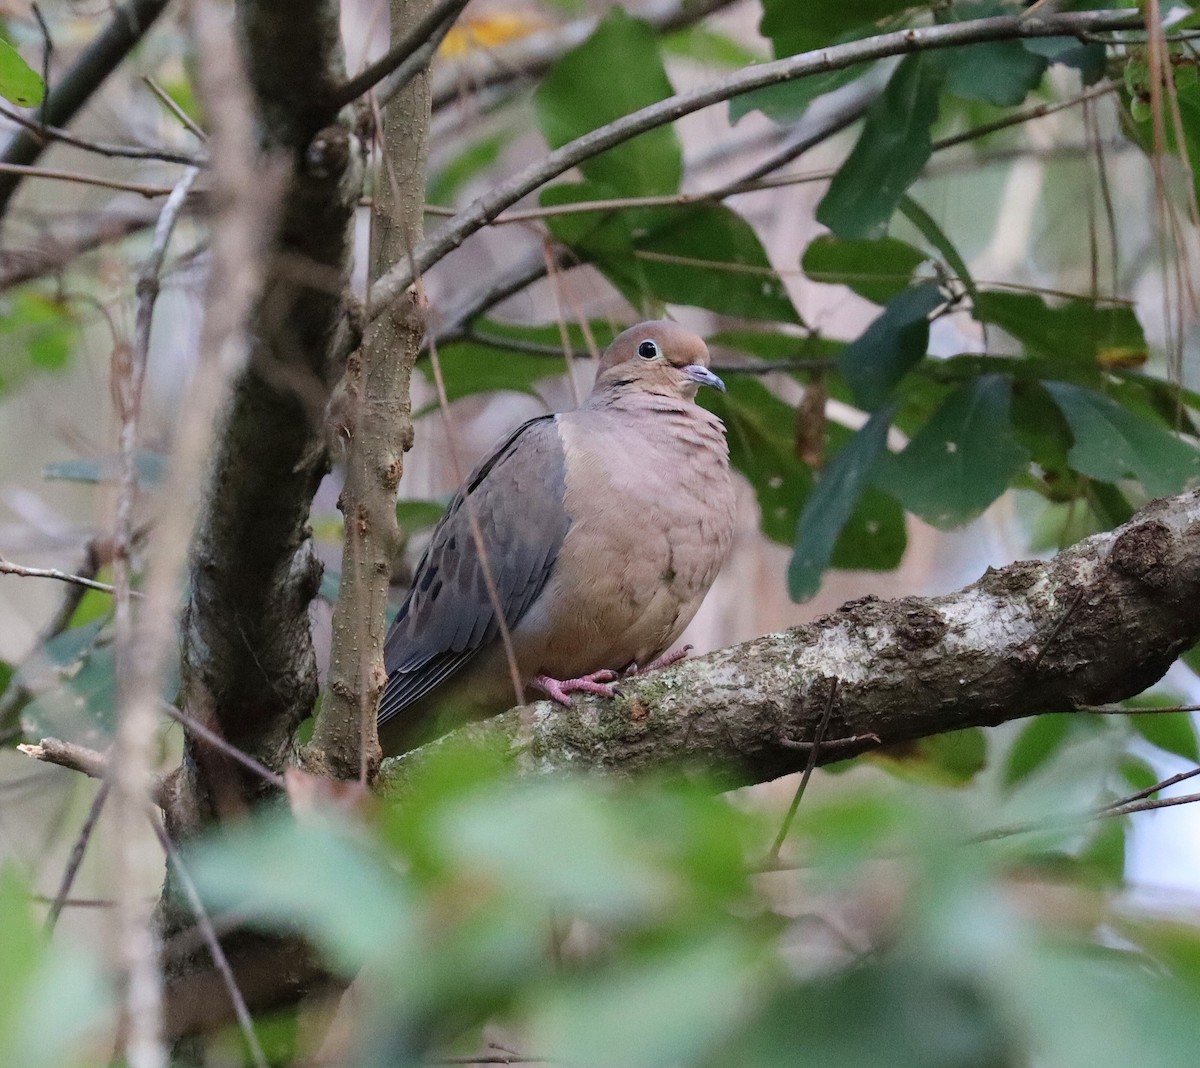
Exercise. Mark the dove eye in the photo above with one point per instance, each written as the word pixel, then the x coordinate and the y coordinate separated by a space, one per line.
pixel 648 350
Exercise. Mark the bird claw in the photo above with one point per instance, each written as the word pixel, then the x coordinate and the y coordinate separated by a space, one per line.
pixel 666 660
pixel 599 683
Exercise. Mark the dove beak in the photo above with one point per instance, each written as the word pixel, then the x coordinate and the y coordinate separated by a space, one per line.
pixel 702 376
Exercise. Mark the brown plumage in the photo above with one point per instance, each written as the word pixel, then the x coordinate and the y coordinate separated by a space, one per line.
pixel 604 528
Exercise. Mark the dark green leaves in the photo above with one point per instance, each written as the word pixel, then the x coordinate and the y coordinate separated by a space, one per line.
pixel 997 72
pixel 707 255
pixel 874 362
pixel 37 333
pixel 892 149
pixel 962 459
pixel 877 270
pixel 759 428
pixel 792 31
pixel 581 93
pixel 831 503
pixel 1080 330
pixel 1113 443
pixel 19 83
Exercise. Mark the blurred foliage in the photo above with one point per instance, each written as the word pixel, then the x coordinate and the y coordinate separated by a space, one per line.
pixel 954 903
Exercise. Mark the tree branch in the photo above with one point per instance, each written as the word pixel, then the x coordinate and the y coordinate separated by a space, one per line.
pixel 1098 623
pixel 249 667
pixel 345 743
pixel 976 31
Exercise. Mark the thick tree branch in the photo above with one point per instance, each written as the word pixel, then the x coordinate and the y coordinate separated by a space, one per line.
pixel 128 26
pixel 249 668
pixel 380 429
pixel 480 212
pixel 1099 622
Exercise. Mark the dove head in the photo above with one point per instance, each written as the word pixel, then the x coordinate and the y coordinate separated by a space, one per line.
pixel 656 357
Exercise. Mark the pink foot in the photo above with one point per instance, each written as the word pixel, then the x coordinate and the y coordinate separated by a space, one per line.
pixel 598 682
pixel 666 660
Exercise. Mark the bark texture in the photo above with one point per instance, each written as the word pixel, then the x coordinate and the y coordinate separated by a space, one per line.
pixel 249 669
pixel 379 429
pixel 1097 623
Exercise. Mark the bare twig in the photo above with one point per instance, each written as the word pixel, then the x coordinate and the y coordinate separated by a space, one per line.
pixel 220 961
pixel 487 207
pixel 442 14
pixel 169 102
pixel 22 170
pixel 68 755
pixel 100 148
pixel 813 752
pixel 8 568
pixel 62 895
pixel 207 734
pixel 125 29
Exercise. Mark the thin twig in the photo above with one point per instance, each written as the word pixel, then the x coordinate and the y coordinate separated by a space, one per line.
pixel 220 961
pixel 26 170
pixel 1174 780
pixel 169 102
pixel 207 734
pixel 79 758
pixel 100 148
pixel 414 65
pixel 9 568
pixel 446 12
pixel 786 826
pixel 128 25
pixel 76 858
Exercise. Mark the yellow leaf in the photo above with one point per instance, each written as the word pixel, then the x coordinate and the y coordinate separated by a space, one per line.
pixel 489 31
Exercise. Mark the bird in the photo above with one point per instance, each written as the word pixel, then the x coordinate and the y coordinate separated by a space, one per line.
pixel 599 531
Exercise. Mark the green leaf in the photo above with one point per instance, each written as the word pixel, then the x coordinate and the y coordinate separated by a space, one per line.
pixel 962 459
pixel 1089 59
pixel 615 71
pixel 821 24
pixel 927 226
pixel 874 537
pixel 1039 741
pixel 892 149
pixel 759 428
pixel 469 367
pixel 53 998
pixel 37 333
pixel 665 1010
pixel 1078 329
pixel 414 516
pixel 307 878
pixel 1112 443
pixel 708 256
pixel 876 270
pixel 996 72
pixel 19 83
pixel 1172 732
pixel 832 502
pixel 951 759
pixel 875 362
pixel 786 103
pixel 710 47
pixel 705 255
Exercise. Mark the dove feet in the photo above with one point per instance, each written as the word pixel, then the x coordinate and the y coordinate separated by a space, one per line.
pixel 559 690
pixel 666 660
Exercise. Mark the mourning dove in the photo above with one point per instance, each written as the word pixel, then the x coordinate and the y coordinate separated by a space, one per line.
pixel 603 529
